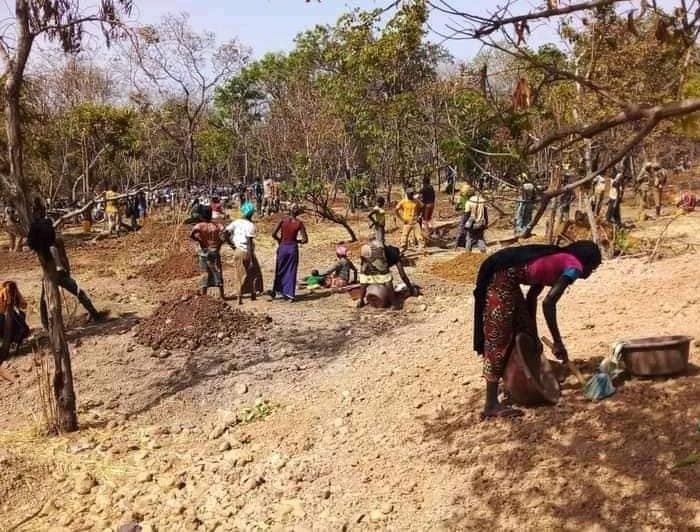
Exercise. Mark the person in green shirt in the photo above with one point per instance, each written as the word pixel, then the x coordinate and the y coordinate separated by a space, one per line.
pixel 377 219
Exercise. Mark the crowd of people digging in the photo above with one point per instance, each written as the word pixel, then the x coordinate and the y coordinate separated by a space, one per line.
pixel 501 310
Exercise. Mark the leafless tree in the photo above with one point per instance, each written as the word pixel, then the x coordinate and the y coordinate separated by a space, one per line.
pixel 65 22
pixel 180 67
pixel 507 28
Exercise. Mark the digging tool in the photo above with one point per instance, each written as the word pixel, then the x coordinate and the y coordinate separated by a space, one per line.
pixel 572 367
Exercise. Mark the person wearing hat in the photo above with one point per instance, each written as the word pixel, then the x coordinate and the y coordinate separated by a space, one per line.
pixel 240 235
pixel 339 275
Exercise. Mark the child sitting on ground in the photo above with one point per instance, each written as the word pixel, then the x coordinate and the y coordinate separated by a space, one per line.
pixel 314 281
pixel 339 275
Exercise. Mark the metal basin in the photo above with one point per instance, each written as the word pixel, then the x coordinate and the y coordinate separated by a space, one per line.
pixel 657 356
pixel 528 377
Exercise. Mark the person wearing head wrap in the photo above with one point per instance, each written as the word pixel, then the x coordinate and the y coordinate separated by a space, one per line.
pixel 339 275
pixel 51 251
pixel 240 234
pixel 208 235
pixel 501 312
pixel 289 233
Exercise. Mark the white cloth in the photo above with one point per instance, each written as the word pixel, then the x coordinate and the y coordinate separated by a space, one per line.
pixel 476 206
pixel 267 188
pixel 241 230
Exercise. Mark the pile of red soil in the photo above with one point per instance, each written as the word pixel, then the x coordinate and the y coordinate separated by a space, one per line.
pixel 182 265
pixel 462 269
pixel 193 321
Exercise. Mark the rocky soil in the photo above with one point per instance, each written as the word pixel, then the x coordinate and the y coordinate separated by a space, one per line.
pixel 333 418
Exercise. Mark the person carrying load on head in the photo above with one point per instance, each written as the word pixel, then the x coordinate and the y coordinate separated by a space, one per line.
pixel 501 311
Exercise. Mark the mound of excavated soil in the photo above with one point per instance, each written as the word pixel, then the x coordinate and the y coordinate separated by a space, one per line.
pixel 462 269
pixel 193 321
pixel 182 265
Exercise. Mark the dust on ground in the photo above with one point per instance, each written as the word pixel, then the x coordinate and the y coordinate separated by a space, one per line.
pixel 337 418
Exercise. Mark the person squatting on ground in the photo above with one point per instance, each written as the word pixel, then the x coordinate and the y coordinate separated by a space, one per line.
pixel 501 312
pixel 339 275
pixel 12 306
pixel 208 235
pixel 377 219
pixel 240 234
pixel 409 210
pixel 376 259
pixel 287 235
pixel 51 251
pixel 687 201
pixel 473 224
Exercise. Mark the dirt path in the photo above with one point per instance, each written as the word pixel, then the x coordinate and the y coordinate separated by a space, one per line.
pixel 364 419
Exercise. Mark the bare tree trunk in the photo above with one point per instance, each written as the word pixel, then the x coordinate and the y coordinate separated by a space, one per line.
pixel 18 195
pixel 63 372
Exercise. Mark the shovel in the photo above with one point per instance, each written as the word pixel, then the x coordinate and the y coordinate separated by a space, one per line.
pixel 572 367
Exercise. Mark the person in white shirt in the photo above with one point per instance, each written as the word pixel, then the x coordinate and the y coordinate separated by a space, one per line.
pixel 240 234
pixel 268 186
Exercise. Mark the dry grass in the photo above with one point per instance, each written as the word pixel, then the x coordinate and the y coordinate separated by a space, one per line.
pixel 42 364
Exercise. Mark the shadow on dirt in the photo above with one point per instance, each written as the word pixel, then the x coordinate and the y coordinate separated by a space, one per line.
pixel 284 350
pixel 580 463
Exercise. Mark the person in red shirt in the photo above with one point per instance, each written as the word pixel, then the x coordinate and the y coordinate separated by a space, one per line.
pixel 289 233
pixel 501 312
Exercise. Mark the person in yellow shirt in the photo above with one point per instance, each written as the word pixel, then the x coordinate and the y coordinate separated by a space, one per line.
pixel 408 210
pixel 112 210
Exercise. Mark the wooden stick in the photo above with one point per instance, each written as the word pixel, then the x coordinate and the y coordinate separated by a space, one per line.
pixel 546 341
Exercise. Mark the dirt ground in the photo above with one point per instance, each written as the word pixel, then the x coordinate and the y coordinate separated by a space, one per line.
pixel 318 416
